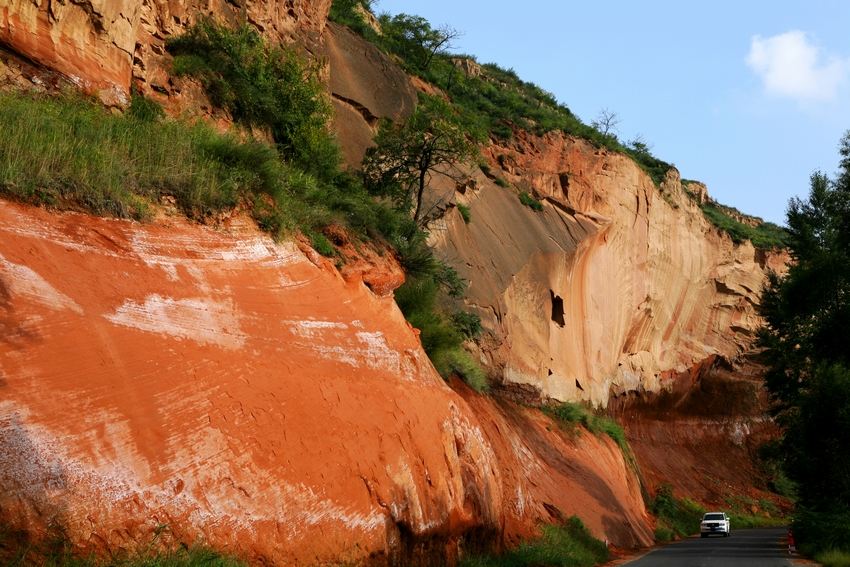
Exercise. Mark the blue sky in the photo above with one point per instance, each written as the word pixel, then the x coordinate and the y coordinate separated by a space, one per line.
pixel 749 96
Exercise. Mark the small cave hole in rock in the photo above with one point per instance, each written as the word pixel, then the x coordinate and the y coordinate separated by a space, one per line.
pixel 557 309
pixel 578 385
pixel 550 372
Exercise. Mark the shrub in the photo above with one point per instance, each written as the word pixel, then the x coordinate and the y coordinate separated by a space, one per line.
pixel 571 415
pixel 261 87
pixel 321 244
pixel 500 181
pixel 461 362
pixel 680 516
pixel 834 558
pixel 566 545
pixel 145 109
pixel 467 324
pixel 465 213
pixel 56 551
pixel 530 202
pixel 70 152
pixel 347 13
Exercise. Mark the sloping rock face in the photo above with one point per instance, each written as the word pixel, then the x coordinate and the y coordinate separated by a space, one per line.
pixel 365 86
pixel 614 286
pixel 243 394
pixel 101 45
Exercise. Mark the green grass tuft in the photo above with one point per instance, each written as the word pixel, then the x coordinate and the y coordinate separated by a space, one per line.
pixel 530 202
pixel 567 545
pixel 465 213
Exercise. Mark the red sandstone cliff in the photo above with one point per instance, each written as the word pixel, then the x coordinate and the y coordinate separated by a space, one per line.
pixel 252 398
pixel 230 388
pixel 102 45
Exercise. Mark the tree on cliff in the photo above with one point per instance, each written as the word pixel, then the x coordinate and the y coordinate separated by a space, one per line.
pixel 407 154
pixel 414 40
pixel 808 316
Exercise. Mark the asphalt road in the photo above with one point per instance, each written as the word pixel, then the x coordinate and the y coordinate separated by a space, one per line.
pixel 744 548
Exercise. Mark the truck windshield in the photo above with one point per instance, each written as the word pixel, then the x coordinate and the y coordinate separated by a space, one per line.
pixel 713 517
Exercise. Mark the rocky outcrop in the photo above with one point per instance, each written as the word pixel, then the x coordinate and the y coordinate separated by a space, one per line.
pixel 614 285
pixel 241 393
pixel 102 45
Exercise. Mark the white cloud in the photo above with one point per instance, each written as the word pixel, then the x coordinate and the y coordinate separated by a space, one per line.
pixel 790 65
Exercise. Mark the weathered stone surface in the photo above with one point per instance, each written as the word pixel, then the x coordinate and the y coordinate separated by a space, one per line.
pixel 616 282
pixel 366 86
pixel 245 396
pixel 101 45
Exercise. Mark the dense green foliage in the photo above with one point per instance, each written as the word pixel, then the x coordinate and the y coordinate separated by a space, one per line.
pixel 765 235
pixel 465 213
pixel 262 87
pixel 808 317
pixel 677 517
pixel 442 334
pixel 347 13
pixel 567 545
pixel 833 558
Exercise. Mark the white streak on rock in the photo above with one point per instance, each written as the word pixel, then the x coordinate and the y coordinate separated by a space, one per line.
pixel 199 319
pixel 23 281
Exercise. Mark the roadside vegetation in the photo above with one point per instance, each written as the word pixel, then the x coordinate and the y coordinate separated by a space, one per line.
pixel 567 545
pixel 493 101
pixel 17 549
pixel 807 314
pixel 677 517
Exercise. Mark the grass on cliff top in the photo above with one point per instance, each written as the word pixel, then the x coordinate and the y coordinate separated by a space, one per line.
pixel 765 235
pixel 70 153
pixel 567 545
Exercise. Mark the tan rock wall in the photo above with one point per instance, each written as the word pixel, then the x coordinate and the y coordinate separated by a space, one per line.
pixel 647 285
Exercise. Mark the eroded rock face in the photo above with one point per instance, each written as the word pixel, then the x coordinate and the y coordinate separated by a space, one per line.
pixel 366 86
pixel 243 395
pixel 615 283
pixel 101 45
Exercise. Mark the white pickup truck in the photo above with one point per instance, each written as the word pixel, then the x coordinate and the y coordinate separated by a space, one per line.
pixel 715 523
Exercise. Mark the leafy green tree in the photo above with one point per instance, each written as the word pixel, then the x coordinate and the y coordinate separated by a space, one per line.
pixel 808 347
pixel 407 154
pixel 414 40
